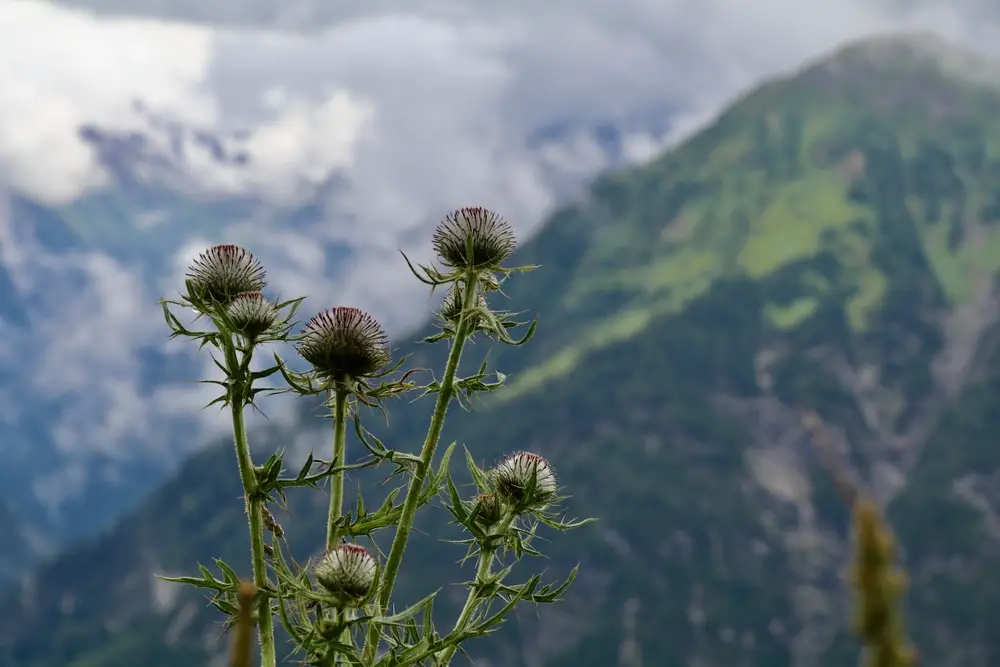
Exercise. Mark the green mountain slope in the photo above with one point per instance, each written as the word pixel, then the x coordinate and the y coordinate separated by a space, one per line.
pixel 831 242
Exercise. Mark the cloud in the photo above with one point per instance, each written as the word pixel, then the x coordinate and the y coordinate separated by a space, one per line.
pixel 60 69
pixel 377 119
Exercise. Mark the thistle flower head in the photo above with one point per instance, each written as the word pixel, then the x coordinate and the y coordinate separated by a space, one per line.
pixel 451 307
pixel 524 478
pixel 473 237
pixel 344 343
pixel 488 281
pixel 223 271
pixel 251 313
pixel 487 508
pixel 347 571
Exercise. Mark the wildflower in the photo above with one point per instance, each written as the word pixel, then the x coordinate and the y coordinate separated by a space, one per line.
pixel 251 314
pixel 451 307
pixel 524 479
pixel 487 509
pixel 488 281
pixel 347 571
pixel 344 344
pixel 223 271
pixel 473 237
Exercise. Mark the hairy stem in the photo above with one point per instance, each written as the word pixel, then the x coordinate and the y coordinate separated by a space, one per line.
pixel 472 602
pixel 339 455
pixel 426 457
pixel 254 509
pixel 337 479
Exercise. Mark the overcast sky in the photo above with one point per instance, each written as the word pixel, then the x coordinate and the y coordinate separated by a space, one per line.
pixel 418 105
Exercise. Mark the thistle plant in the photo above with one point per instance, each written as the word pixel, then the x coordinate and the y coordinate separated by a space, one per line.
pixel 242 642
pixel 337 608
pixel 878 584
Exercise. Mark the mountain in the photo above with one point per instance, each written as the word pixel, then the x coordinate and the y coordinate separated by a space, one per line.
pixel 66 481
pixel 68 274
pixel 101 260
pixel 831 241
pixel 68 485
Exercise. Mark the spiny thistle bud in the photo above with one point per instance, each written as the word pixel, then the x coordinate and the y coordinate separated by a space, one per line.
pixel 451 307
pixel 344 343
pixel 487 508
pixel 473 237
pixel 522 473
pixel 223 271
pixel 348 572
pixel 251 314
pixel 488 281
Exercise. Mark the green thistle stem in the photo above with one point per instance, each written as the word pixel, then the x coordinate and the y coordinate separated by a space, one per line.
pixel 256 520
pixel 426 457
pixel 339 456
pixel 337 479
pixel 472 600
pixel 471 605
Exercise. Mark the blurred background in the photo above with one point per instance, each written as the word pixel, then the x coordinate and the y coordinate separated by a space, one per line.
pixel 770 205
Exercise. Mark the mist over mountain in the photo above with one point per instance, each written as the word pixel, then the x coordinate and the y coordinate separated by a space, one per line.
pixel 130 145
pixel 124 244
pixel 325 138
pixel 829 241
